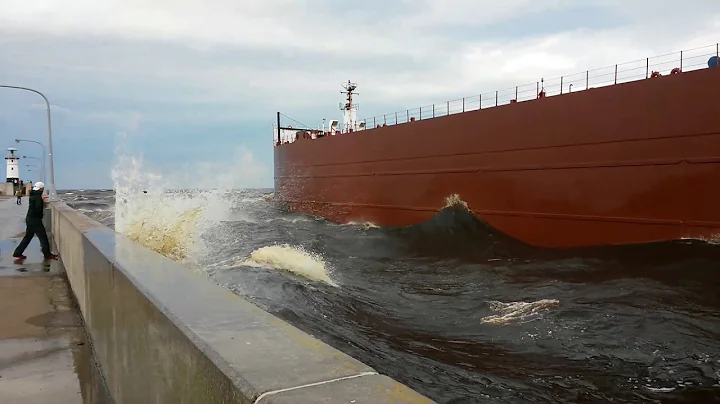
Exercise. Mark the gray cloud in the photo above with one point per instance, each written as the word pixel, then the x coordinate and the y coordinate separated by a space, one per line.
pixel 279 52
pixel 124 66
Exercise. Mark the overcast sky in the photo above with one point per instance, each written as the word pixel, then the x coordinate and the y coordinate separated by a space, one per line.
pixel 194 84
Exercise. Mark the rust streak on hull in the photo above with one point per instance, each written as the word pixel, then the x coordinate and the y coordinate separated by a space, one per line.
pixel 631 163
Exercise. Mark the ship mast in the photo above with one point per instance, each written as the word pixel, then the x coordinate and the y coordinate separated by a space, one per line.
pixel 349 114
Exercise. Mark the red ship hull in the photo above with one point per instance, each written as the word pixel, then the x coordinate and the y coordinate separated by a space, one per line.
pixel 631 163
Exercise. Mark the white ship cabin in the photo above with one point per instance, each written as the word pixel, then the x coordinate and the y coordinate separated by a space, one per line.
pixel 350 123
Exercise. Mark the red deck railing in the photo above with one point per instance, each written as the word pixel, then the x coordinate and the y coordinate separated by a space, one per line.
pixel 687 60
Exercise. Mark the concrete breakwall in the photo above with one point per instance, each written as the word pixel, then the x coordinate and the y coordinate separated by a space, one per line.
pixel 162 333
pixel 7 189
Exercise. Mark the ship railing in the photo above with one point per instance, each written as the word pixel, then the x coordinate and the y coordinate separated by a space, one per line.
pixel 288 130
pixel 284 131
pixel 290 134
pixel 686 60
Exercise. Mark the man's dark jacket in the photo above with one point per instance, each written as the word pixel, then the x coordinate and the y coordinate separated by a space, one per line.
pixel 36 206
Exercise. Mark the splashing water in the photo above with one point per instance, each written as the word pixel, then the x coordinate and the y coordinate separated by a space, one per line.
pixel 291 259
pixel 518 311
pixel 454 200
pixel 170 222
pixel 363 225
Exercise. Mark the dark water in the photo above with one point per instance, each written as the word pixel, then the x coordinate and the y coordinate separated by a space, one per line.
pixel 629 325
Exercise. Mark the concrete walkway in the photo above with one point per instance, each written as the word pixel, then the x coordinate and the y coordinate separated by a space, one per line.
pixel 12 217
pixel 44 355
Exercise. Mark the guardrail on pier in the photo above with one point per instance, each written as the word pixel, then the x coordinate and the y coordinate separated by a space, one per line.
pixel 686 60
pixel 162 333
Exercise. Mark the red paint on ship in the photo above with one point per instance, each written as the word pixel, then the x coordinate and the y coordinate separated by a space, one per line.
pixel 629 163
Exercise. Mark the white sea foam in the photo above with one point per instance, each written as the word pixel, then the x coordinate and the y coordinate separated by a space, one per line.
pixel 293 259
pixel 518 311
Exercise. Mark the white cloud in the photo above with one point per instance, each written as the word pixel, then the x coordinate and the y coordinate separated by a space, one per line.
pixel 242 170
pixel 126 121
pixel 430 13
pixel 289 54
pixel 290 25
pixel 134 62
pixel 53 108
pixel 239 170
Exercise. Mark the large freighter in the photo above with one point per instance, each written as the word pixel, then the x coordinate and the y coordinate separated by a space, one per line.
pixel 632 160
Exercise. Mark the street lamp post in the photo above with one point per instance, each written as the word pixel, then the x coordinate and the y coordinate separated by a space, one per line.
pixel 42 168
pixel 43 147
pixel 30 169
pixel 52 192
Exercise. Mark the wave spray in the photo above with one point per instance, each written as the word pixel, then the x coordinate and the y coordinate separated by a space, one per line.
pixel 171 215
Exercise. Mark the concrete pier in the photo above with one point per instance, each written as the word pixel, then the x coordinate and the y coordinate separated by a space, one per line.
pixel 116 323
pixel 44 355
pixel 6 189
pixel 163 333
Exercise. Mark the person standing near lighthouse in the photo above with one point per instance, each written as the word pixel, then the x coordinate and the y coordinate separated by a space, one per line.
pixel 34 223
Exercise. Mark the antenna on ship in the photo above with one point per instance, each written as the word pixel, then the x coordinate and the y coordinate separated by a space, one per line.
pixel 349 120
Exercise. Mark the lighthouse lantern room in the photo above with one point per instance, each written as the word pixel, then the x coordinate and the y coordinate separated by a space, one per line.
pixel 12 163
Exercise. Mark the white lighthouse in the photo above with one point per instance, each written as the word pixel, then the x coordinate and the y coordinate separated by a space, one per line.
pixel 12 163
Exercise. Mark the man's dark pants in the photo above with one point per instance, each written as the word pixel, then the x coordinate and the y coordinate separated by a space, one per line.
pixel 34 226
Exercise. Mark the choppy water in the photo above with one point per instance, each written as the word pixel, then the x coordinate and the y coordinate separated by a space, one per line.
pixel 461 314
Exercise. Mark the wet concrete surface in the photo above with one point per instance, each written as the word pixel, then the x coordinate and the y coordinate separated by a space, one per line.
pixel 44 353
pixel 12 217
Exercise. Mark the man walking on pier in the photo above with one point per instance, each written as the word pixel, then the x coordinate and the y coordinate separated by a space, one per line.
pixel 34 223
